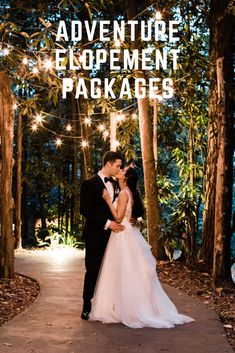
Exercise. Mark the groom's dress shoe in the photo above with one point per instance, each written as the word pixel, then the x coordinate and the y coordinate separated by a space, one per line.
pixel 85 315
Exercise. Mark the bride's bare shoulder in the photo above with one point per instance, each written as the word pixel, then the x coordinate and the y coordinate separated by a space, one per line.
pixel 123 194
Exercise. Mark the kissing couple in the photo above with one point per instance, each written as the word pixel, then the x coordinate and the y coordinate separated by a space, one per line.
pixel 121 283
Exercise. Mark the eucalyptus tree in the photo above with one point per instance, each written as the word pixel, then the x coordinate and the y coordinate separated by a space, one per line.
pixel 222 27
pixel 6 166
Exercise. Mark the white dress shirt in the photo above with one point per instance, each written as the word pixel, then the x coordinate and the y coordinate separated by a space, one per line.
pixel 109 187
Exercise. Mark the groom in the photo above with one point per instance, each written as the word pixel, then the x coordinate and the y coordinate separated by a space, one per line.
pixel 99 222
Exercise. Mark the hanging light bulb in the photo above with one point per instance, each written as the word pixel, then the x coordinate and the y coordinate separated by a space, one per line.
pixel 105 134
pixel 38 118
pixel 85 144
pixel 35 70
pixel 117 143
pixel 87 121
pixel 34 127
pixel 25 60
pixel 6 51
pixel 58 142
pixel 158 15
pixel 120 117
pixel 101 127
pixel 117 43
pixel 69 128
pixel 48 64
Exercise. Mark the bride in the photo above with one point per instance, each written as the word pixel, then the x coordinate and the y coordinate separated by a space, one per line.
pixel 128 290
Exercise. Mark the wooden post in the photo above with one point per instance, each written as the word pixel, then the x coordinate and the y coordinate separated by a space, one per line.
pixel 6 200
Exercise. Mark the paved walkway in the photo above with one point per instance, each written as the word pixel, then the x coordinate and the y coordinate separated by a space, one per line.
pixel 52 323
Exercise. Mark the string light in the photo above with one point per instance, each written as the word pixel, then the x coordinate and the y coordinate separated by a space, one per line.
pixel 117 43
pixel 34 127
pixel 69 128
pixel 6 51
pixel 134 116
pixel 120 117
pixel 48 64
pixel 84 144
pixel 87 121
pixel 105 134
pixel 25 60
pixel 15 106
pixel 101 127
pixel 35 70
pixel 38 118
pixel 158 15
pixel 58 142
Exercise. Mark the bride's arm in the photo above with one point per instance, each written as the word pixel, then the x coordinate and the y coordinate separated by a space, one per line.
pixel 118 213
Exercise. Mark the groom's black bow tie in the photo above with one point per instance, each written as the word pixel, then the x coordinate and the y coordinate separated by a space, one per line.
pixel 106 179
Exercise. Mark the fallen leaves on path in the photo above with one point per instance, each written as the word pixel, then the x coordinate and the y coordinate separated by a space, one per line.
pixel 199 285
pixel 15 296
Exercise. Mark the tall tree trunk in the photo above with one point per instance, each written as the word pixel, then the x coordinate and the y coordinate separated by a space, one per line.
pixel 75 167
pixel 85 134
pixel 151 192
pixel 191 231
pixel 146 137
pixel 191 222
pixel 42 208
pixel 155 131
pixel 59 206
pixel 82 109
pixel 208 226
pixel 6 199
pixel 25 187
pixel 18 232
pixel 113 131
pixel 223 23
pixel 224 178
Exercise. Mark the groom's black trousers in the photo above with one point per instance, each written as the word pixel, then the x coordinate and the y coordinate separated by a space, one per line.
pixel 95 242
pixel 96 211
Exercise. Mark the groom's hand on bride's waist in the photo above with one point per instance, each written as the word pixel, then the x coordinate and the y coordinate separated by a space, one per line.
pixel 116 227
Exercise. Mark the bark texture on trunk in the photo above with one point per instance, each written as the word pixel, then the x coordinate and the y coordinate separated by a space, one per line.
pixel 224 179
pixel 222 29
pixel 18 231
pixel 208 227
pixel 146 137
pixel 6 200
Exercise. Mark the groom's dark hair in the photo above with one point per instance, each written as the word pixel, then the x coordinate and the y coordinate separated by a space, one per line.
pixel 111 157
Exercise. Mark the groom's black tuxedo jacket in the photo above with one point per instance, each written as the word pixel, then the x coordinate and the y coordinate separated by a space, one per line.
pixel 95 209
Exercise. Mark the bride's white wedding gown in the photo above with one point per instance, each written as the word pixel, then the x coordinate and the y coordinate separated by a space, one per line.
pixel 128 290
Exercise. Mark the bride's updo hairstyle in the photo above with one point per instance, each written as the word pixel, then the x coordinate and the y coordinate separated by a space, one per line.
pixel 132 180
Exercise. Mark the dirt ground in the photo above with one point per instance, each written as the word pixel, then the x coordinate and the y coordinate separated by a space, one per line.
pixel 199 284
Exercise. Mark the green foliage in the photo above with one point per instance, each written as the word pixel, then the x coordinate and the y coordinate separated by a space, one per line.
pixel 58 238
